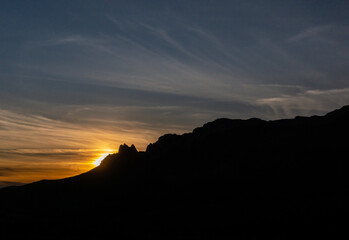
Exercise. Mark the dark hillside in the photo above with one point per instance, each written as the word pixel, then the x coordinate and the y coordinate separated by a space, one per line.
pixel 230 178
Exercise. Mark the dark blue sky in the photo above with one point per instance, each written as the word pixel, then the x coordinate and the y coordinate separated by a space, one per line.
pixel 129 71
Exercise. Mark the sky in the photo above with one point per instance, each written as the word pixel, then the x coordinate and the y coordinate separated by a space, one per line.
pixel 79 78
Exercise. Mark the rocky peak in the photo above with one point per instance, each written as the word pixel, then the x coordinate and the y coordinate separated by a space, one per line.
pixel 125 149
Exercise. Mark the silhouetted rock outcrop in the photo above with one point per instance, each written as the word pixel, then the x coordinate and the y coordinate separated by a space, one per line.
pixel 226 178
pixel 124 149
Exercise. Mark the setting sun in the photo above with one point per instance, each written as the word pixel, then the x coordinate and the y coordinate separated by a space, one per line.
pixel 100 158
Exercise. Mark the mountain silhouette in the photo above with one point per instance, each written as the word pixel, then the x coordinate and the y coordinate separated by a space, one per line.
pixel 229 178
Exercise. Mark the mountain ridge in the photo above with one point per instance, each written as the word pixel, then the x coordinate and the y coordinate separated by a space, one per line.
pixel 283 171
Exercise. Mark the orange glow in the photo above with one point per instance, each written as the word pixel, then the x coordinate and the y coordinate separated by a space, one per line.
pixel 99 159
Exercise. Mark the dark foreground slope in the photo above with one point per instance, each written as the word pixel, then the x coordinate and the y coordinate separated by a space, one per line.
pixel 229 178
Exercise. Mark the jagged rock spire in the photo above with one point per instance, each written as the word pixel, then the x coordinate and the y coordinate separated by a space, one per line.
pixel 125 149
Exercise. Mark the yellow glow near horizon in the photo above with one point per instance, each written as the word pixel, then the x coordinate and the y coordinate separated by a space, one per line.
pixel 99 159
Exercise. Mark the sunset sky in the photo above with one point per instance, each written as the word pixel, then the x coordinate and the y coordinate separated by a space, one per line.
pixel 79 78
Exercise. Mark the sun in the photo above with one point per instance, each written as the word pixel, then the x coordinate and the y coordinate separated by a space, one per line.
pixel 99 159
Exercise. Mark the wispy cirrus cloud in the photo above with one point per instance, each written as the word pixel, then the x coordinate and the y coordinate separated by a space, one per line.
pixel 73 84
pixel 308 102
pixel 36 147
pixel 312 32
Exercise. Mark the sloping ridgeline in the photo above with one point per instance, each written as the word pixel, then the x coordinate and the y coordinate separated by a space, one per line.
pixel 229 178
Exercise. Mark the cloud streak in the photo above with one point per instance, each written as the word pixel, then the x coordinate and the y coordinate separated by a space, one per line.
pixel 131 72
pixel 307 103
pixel 312 32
